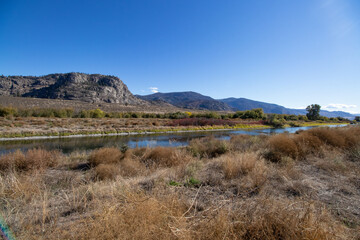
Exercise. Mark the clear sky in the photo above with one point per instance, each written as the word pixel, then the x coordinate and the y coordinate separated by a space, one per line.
pixel 289 52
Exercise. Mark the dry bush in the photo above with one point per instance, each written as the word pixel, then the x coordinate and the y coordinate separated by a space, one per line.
pixel 208 147
pixel 332 137
pixel 308 144
pixel 164 157
pixel 252 170
pixel 136 153
pixel 239 164
pixel 105 156
pixel 244 143
pixel 280 146
pixel 38 159
pixel 106 171
pixel 132 167
pixel 11 160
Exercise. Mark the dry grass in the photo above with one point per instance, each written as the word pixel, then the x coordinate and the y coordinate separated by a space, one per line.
pixel 164 157
pixel 240 164
pixel 247 143
pixel 34 159
pixel 281 146
pixel 105 156
pixel 166 193
pixel 208 147
pixel 106 171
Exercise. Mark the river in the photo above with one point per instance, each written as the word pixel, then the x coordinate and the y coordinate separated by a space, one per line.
pixel 68 145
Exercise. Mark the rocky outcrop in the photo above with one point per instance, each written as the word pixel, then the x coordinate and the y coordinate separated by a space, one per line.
pixel 92 88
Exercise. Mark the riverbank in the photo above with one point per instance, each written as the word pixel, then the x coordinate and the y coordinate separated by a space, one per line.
pixel 48 128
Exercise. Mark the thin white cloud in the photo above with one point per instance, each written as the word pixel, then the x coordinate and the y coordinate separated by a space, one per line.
pixel 302 108
pixel 154 89
pixel 340 107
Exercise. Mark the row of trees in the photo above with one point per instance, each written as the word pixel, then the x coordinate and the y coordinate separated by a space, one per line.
pixel 256 114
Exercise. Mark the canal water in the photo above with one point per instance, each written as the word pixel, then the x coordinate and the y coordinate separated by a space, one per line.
pixel 68 145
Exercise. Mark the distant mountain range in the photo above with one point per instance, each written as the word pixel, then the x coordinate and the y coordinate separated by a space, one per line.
pixel 193 100
pixel 188 100
pixel 97 88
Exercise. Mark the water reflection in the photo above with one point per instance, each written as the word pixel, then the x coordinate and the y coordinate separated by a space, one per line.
pixel 68 145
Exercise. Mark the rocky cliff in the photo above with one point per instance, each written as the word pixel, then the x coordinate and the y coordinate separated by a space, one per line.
pixel 70 86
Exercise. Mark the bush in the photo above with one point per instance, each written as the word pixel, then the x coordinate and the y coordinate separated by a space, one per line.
pixel 105 156
pixel 239 164
pixel 281 146
pixel 106 171
pixel 244 143
pixel 34 159
pixel 207 147
pixel 331 137
pixel 163 157
pixel 276 120
pixel 7 111
pixel 308 144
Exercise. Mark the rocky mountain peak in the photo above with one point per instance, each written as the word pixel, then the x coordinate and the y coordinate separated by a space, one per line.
pixel 70 86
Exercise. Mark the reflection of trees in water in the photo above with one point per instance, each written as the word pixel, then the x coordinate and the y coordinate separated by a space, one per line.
pixel 67 145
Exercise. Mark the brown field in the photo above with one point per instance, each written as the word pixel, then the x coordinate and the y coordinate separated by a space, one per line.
pixel 48 126
pixel 288 186
pixel 38 126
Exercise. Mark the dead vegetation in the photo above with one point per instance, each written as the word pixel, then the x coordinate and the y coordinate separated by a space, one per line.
pixel 289 186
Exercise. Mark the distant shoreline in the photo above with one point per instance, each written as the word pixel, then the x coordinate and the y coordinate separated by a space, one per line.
pixel 149 132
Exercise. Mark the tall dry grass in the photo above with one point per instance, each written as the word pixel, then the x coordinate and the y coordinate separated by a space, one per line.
pixel 139 216
pixel 208 147
pixel 147 193
pixel 312 142
pixel 34 159
pixel 105 156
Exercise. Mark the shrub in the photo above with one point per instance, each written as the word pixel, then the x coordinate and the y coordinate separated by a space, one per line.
pixel 331 137
pixel 7 111
pixel 275 120
pixel 34 159
pixel 207 147
pixel 106 171
pixel 237 165
pixel 247 143
pixel 164 157
pixel 97 113
pixel 105 156
pixel 281 146
pixel 308 144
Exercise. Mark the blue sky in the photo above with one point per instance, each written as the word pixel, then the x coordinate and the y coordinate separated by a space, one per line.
pixel 292 53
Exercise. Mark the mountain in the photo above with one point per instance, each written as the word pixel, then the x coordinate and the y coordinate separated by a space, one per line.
pixel 193 100
pixel 242 104
pixel 70 86
pixel 97 88
pixel 188 100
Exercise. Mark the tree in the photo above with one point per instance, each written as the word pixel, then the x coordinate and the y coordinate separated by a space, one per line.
pixel 313 111
pixel 357 118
